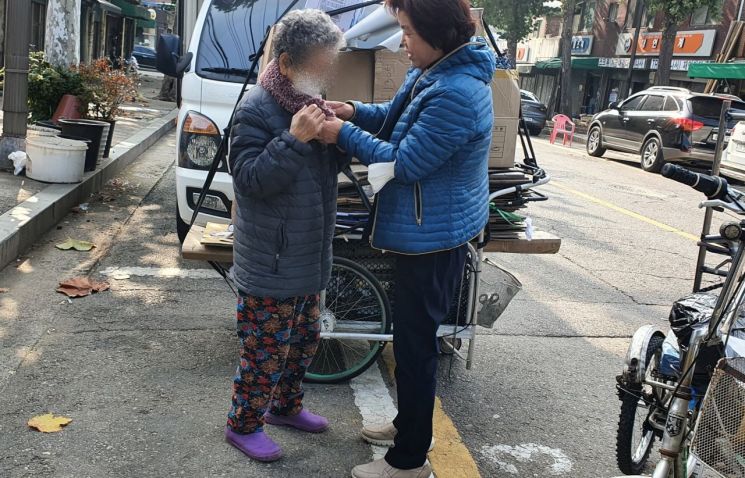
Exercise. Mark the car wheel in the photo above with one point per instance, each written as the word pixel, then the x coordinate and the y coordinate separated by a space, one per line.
pixel 652 159
pixel 595 142
pixel 535 131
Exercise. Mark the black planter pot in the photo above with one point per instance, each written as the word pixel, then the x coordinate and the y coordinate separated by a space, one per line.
pixel 89 129
pixel 109 138
pixel 91 155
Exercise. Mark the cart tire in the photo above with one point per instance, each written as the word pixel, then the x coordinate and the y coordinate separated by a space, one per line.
pixel 631 457
pixel 447 342
pixel 333 361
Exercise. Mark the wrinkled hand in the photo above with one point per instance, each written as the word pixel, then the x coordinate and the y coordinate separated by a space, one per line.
pixel 343 111
pixel 330 131
pixel 307 123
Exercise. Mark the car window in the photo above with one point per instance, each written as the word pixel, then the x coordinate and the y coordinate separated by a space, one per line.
pixel 671 104
pixel 526 95
pixel 632 104
pixel 709 107
pixel 653 103
pixel 232 32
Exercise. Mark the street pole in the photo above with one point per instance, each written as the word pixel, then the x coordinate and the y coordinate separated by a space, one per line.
pixel 15 96
pixel 638 11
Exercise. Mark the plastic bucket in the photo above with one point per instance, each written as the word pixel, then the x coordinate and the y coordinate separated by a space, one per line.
pixel 36 131
pixel 89 129
pixel 55 160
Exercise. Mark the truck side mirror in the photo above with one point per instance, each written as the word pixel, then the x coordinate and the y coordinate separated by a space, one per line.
pixel 169 60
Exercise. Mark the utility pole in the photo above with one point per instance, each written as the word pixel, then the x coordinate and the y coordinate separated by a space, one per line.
pixel 638 11
pixel 15 96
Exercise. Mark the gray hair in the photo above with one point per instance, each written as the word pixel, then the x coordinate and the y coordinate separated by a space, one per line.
pixel 301 32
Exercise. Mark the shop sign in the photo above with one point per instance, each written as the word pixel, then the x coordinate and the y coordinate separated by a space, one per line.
pixel 581 45
pixel 687 43
pixel 639 63
pixel 675 65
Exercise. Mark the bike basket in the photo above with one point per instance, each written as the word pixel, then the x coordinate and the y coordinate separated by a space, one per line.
pixel 719 438
pixel 502 291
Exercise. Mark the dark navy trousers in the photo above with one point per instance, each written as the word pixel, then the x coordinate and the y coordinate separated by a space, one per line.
pixel 424 292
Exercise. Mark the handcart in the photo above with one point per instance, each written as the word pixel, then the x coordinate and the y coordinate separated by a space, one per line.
pixel 357 305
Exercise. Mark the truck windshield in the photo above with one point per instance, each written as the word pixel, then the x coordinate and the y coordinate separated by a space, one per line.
pixel 232 32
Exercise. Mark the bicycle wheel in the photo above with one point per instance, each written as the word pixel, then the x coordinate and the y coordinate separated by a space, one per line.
pixel 636 435
pixel 355 302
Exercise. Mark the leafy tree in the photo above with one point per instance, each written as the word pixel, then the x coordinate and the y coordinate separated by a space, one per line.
pixel 565 103
pixel 516 20
pixel 674 12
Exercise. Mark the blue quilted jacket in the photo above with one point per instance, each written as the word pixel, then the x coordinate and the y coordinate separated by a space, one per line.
pixel 440 143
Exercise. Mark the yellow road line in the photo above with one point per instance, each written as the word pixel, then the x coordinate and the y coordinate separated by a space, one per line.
pixel 661 225
pixel 450 458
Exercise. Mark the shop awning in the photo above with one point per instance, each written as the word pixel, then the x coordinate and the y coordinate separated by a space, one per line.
pixel 578 63
pixel 109 7
pixel 131 10
pixel 146 23
pixel 717 71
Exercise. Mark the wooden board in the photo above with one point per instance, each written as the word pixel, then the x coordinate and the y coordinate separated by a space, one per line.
pixel 192 249
pixel 517 243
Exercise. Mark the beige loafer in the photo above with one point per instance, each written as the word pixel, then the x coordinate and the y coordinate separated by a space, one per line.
pixel 383 435
pixel 381 469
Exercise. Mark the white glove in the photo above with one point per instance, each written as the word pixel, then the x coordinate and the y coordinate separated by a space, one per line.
pixel 378 175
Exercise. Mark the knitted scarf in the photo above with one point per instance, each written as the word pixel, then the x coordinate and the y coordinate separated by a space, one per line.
pixel 282 90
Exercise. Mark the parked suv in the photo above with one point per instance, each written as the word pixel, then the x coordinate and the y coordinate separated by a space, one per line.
pixel 662 124
pixel 534 112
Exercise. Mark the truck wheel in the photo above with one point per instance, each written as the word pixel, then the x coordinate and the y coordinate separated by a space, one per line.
pixel 182 228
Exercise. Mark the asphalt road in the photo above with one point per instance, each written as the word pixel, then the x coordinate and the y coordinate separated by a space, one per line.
pixel 144 369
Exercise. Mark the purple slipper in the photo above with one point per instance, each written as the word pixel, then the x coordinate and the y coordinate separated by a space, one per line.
pixel 256 445
pixel 305 421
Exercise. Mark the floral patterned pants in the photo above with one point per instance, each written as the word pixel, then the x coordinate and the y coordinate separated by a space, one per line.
pixel 278 340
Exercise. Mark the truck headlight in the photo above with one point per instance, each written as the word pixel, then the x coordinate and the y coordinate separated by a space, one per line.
pixel 200 139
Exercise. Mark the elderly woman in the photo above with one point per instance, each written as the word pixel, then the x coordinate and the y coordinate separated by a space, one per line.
pixel 434 138
pixel 285 184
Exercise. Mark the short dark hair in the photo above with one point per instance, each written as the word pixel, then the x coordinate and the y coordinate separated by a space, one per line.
pixel 444 24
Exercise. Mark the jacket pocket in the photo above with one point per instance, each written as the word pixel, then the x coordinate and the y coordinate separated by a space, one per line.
pixel 418 206
pixel 281 244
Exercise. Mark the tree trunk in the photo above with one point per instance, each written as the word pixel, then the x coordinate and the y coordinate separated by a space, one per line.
pixel 62 38
pixel 565 105
pixel 666 53
pixel 512 47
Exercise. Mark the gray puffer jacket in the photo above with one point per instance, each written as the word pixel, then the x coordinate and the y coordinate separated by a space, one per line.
pixel 286 192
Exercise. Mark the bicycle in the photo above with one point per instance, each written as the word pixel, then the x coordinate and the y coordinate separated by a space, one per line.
pixel 666 375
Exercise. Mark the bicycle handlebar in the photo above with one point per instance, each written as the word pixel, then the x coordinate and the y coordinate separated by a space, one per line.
pixel 713 187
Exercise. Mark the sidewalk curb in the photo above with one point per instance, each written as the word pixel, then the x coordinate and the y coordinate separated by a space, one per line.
pixel 24 224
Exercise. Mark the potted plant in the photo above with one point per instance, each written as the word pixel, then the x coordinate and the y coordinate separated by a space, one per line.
pixel 48 85
pixel 104 90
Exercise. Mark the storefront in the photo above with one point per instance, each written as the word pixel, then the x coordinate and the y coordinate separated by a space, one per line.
pixel 544 79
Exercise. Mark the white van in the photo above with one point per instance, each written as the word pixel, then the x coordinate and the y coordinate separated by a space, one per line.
pixel 226 35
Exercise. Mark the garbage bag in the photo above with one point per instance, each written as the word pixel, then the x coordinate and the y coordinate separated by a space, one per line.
pixel 689 311
pixel 19 161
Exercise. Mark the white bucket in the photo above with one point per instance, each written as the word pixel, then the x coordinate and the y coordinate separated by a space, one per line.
pixel 55 160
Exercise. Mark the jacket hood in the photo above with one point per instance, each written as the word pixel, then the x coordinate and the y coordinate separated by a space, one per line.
pixel 475 59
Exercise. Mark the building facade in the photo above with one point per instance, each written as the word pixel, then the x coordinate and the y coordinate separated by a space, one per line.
pixel 602 39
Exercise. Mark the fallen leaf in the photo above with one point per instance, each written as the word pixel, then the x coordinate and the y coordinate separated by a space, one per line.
pixel 76 244
pixel 48 423
pixel 81 287
pixel 4 290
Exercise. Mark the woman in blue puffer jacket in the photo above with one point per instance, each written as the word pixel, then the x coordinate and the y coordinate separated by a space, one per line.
pixel 435 136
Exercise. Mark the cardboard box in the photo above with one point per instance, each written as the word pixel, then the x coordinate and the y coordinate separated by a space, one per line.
pixel 390 72
pixel 503 143
pixel 505 94
pixel 355 78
